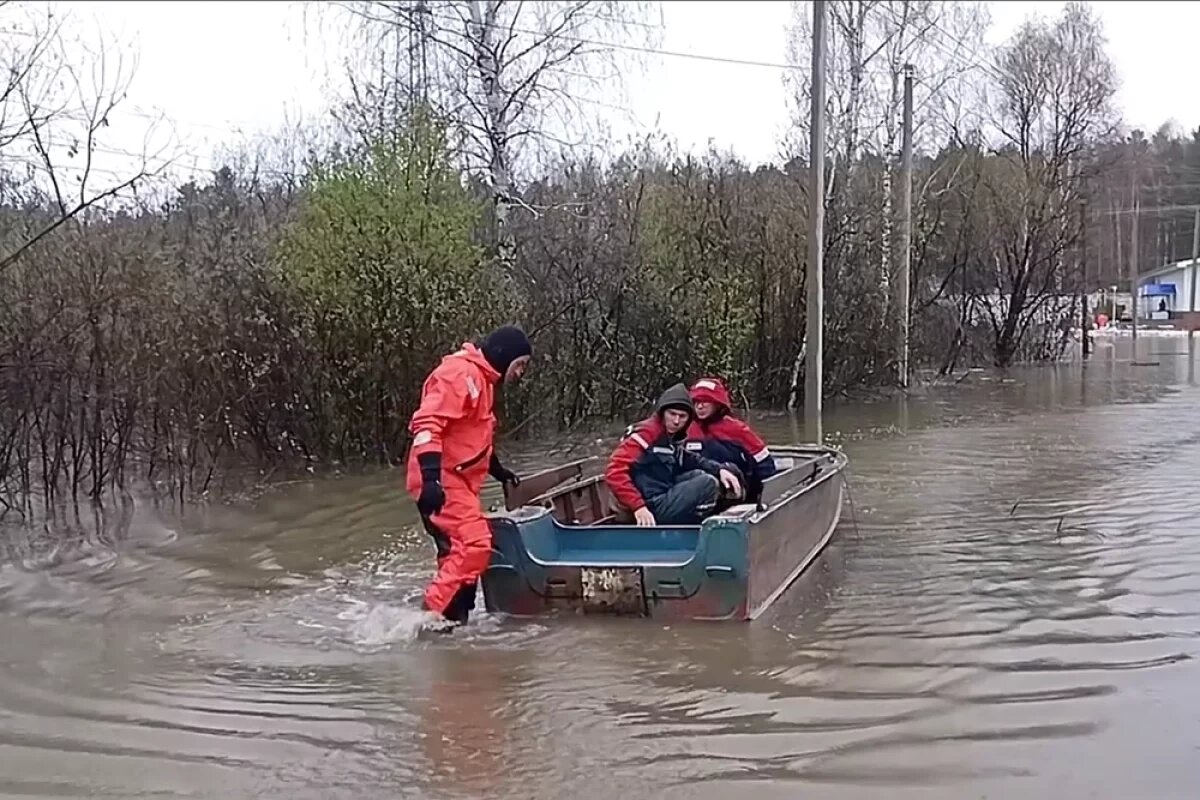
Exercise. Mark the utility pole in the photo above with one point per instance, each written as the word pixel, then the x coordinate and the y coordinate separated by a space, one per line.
pixel 1084 324
pixel 1195 265
pixel 422 12
pixel 1192 300
pixel 906 166
pixel 1133 256
pixel 815 310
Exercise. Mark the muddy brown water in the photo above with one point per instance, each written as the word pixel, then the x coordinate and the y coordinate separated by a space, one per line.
pixel 1015 614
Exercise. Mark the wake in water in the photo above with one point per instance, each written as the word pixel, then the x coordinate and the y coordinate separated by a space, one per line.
pixel 364 609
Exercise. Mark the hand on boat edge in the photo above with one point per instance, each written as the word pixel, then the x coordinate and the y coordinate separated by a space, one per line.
pixel 730 482
pixel 501 473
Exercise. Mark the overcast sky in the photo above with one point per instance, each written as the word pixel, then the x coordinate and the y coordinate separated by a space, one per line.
pixel 222 70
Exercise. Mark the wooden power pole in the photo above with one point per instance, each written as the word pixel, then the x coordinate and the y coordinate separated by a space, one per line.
pixel 1133 257
pixel 1195 264
pixel 906 167
pixel 815 310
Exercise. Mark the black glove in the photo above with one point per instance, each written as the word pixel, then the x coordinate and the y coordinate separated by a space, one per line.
pixel 432 497
pixel 502 474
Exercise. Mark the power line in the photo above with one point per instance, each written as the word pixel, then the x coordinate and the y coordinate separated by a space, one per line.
pixel 641 49
pixel 1145 209
pixel 154 166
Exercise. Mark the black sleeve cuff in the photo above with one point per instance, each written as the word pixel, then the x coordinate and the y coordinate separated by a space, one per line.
pixel 431 464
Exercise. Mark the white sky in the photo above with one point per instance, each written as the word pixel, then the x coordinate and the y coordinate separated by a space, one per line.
pixel 223 70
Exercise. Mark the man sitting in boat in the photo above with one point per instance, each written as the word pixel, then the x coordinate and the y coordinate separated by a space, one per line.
pixel 651 474
pixel 719 436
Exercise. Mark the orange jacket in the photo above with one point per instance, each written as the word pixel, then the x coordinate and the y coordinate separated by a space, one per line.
pixel 455 418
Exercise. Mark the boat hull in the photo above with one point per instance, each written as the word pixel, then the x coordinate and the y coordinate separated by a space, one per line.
pixel 732 567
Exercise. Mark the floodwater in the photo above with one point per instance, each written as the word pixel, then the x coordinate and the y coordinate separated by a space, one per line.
pixel 1012 609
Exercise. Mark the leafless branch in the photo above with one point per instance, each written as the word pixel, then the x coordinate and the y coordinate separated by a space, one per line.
pixel 67 93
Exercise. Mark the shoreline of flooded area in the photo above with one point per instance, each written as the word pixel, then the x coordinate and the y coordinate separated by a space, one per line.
pixel 1011 607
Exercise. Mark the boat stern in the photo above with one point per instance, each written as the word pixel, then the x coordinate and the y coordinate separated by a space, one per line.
pixel 540 566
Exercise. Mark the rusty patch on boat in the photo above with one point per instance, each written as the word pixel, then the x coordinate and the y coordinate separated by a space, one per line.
pixel 613 590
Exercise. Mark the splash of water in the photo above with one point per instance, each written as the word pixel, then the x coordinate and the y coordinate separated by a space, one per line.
pixel 383 624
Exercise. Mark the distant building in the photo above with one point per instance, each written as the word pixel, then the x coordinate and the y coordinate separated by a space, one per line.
pixel 1166 292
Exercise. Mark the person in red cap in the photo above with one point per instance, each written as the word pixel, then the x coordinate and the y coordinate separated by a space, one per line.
pixel 451 453
pixel 718 435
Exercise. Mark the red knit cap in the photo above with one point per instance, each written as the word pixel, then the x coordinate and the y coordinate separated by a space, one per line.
pixel 711 390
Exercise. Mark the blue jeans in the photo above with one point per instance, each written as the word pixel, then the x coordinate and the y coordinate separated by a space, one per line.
pixel 692 498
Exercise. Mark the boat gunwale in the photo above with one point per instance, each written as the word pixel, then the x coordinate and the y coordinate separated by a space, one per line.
pixel 749 512
pixel 840 462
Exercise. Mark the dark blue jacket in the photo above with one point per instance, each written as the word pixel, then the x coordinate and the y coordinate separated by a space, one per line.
pixel 648 461
pixel 730 440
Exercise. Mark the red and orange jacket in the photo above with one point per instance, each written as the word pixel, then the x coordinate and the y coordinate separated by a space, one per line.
pixel 456 418
pixel 727 438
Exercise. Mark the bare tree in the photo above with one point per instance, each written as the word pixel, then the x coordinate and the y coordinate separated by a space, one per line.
pixel 870 42
pixel 1055 85
pixel 511 75
pixel 59 97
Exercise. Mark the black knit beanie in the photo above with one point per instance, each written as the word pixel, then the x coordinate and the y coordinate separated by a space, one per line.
pixel 504 346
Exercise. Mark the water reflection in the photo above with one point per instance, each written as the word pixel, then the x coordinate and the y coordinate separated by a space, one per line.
pixel 473 743
pixel 1191 360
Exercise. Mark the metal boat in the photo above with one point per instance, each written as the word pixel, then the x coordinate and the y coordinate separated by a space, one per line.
pixel 559 545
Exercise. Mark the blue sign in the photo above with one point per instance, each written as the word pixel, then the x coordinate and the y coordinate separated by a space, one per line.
pixel 1158 289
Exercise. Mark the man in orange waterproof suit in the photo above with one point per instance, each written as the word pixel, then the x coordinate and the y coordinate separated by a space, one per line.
pixel 450 456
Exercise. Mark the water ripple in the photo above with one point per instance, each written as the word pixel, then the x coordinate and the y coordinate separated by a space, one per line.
pixel 1017 597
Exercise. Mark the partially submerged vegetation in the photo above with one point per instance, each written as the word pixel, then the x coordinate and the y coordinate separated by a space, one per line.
pixel 273 317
